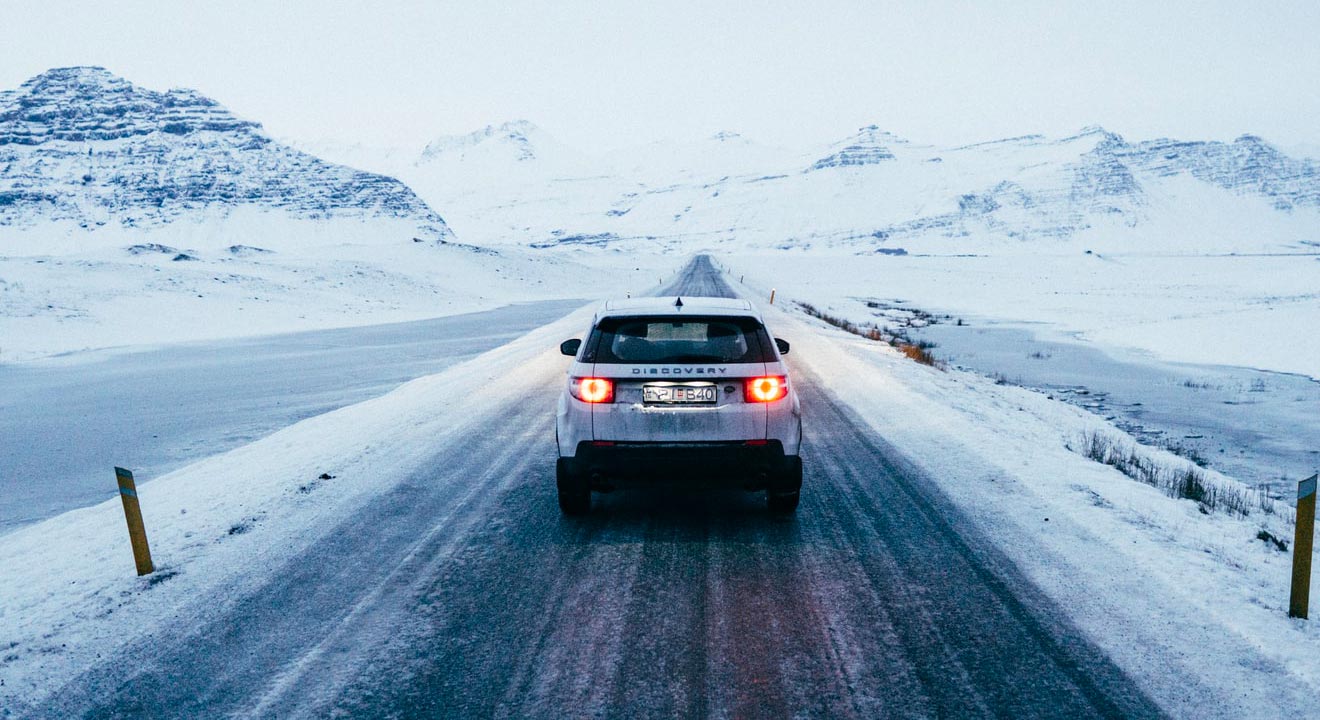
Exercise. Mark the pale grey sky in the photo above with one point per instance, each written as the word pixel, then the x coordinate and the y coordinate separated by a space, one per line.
pixel 610 74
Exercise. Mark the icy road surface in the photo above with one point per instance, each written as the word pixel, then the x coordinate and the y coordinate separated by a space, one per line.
pixel 66 422
pixel 462 592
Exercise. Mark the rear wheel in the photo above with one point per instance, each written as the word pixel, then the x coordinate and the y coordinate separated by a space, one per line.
pixel 574 492
pixel 784 490
pixel 782 503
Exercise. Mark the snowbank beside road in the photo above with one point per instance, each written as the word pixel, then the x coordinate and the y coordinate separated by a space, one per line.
pixel 69 595
pixel 1193 606
pixel 1240 310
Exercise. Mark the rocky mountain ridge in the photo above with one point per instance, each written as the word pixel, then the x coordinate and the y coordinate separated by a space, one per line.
pixel 869 146
pixel 84 145
pixel 877 192
pixel 1249 165
pixel 519 135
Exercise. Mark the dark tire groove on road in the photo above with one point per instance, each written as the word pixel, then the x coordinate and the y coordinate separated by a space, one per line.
pixel 877 600
pixel 999 634
pixel 224 665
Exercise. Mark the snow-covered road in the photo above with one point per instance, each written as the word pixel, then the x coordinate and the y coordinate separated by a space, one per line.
pixel 66 422
pixel 461 592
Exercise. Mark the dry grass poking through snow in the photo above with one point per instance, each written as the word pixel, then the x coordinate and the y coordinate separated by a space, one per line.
pixel 1182 480
pixel 918 350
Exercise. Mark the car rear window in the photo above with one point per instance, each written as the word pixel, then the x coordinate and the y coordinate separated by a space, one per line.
pixel 678 339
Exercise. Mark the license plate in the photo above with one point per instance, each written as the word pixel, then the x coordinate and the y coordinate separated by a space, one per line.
pixel 679 394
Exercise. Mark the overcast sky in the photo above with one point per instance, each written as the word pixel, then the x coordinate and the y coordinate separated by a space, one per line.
pixel 611 74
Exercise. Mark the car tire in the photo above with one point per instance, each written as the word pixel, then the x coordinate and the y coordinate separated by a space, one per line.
pixel 574 492
pixel 783 493
pixel 782 503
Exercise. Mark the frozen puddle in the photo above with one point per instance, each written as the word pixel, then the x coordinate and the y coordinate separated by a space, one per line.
pixel 1260 427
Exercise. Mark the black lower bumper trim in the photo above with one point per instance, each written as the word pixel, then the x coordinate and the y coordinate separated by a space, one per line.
pixel 736 464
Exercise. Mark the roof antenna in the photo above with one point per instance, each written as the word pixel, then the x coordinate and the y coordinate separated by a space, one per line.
pixel 678 302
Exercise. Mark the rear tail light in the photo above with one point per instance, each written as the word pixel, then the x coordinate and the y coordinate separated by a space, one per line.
pixel 765 389
pixel 593 390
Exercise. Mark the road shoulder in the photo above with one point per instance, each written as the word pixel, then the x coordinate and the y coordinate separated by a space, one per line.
pixel 220 527
pixel 1191 606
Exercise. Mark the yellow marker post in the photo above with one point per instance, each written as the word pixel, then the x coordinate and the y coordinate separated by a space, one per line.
pixel 137 533
pixel 1303 536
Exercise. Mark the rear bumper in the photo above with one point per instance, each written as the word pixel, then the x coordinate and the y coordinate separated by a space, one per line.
pixel 732 464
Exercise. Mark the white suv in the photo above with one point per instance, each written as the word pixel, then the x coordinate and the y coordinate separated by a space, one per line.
pixel 678 389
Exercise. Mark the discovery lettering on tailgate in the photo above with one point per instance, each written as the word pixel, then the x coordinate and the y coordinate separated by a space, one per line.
pixel 679 371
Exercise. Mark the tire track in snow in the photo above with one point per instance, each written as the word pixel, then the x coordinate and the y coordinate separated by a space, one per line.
pixel 271 640
pixel 876 601
pixel 474 597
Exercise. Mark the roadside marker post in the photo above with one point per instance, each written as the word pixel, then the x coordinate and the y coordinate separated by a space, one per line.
pixel 1304 535
pixel 137 533
pixel 772 296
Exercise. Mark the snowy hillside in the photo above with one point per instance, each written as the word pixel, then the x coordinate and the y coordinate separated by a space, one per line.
pixel 871 192
pixel 871 146
pixel 1181 250
pixel 82 145
pixel 130 216
pixel 494 179
pixel 110 193
pixel 705 160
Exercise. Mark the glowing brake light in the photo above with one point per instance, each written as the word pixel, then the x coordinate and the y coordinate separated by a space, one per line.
pixel 765 389
pixel 593 390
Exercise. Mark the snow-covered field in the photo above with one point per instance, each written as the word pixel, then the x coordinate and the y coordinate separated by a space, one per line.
pixel 1192 605
pixel 1172 329
pixel 1253 311
pixel 66 289
pixel 159 409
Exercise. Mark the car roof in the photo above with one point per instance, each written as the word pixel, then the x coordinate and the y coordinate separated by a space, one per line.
pixel 678 305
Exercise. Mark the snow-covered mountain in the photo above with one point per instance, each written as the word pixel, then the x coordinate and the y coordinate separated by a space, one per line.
pixel 520 150
pixel 81 145
pixel 517 140
pixel 874 191
pixel 870 146
pixel 720 155
pixel 480 175
pixel 1248 165
pixel 131 216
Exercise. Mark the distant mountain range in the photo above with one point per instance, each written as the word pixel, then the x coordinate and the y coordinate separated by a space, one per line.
pixel 81 145
pixel 870 192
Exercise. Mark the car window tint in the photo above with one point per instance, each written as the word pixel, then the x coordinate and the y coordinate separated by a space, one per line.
pixel 679 340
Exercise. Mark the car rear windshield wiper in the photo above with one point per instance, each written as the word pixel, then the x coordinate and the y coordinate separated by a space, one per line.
pixel 695 358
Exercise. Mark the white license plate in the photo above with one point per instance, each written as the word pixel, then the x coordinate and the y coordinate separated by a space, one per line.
pixel 676 394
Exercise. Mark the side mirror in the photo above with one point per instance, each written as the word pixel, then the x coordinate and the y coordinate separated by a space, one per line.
pixel 782 345
pixel 570 347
